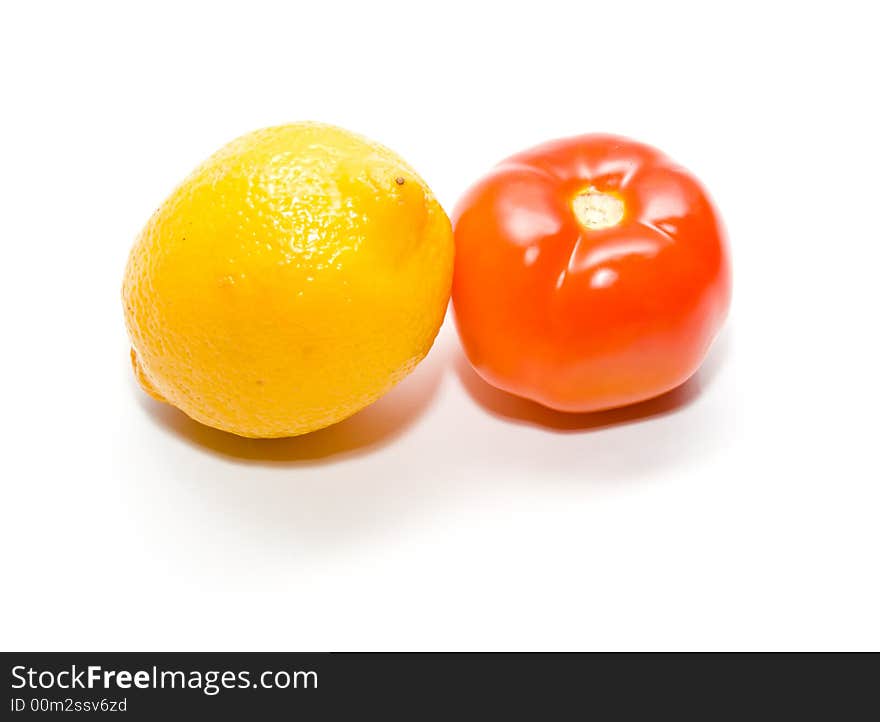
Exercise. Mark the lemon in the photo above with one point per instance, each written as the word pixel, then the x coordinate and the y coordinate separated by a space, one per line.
pixel 291 280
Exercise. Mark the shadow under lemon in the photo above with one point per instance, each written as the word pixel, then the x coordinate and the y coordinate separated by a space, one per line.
pixel 370 428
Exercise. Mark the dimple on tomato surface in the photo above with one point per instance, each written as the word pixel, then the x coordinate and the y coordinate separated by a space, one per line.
pixel 590 272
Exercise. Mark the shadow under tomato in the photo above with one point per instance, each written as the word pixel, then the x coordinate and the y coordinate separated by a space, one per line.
pixel 369 429
pixel 524 411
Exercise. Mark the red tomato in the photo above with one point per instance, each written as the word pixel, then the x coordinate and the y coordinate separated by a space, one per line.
pixel 590 272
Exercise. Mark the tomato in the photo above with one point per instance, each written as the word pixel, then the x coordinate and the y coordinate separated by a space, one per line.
pixel 590 272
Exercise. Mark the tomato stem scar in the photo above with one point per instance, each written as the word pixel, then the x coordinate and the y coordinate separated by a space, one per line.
pixel 595 210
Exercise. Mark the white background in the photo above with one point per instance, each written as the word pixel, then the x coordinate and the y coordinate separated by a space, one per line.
pixel 740 513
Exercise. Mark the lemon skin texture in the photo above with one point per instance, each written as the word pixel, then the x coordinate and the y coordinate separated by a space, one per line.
pixel 289 281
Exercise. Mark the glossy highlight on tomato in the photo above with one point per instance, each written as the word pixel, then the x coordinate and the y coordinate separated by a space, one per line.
pixel 590 272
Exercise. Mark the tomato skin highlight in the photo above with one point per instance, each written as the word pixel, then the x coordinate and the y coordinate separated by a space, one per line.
pixel 588 310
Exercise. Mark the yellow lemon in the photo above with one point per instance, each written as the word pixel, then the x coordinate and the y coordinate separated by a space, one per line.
pixel 289 281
